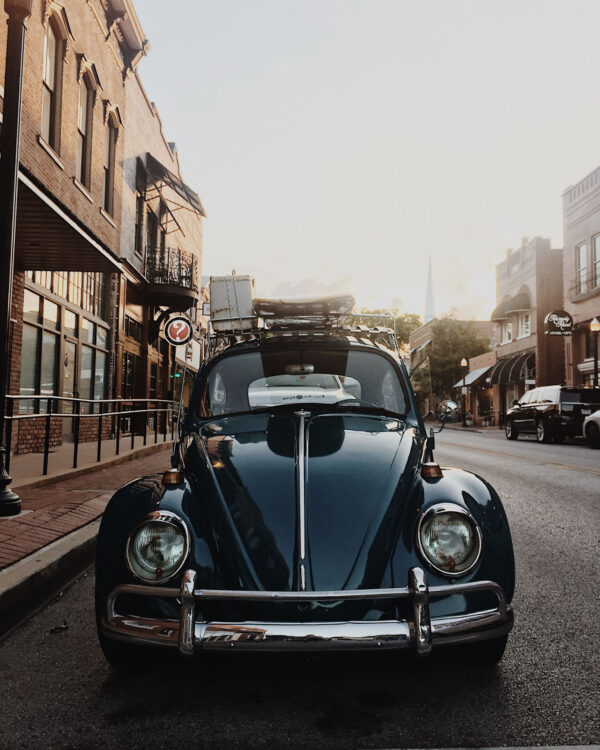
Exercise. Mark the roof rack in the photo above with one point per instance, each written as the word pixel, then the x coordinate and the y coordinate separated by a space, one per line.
pixel 237 318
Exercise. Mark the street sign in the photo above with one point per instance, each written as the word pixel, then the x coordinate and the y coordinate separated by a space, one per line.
pixel 559 323
pixel 178 330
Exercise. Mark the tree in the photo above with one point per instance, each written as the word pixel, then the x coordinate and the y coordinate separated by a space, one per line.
pixel 406 323
pixel 451 341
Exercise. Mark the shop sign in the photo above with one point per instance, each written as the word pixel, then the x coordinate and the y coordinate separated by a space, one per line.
pixel 559 323
pixel 178 330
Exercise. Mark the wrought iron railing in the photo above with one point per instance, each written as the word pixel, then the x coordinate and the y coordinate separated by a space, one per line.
pixel 117 419
pixel 172 266
pixel 586 284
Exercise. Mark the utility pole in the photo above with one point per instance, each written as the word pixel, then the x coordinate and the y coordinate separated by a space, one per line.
pixel 18 12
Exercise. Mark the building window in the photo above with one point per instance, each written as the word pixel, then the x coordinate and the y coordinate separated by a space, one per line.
pixel 84 131
pixel 83 289
pixel 524 325
pixel 151 233
pixel 133 329
pixel 596 261
pixel 506 332
pixel 51 86
pixel 581 268
pixel 51 332
pixel 140 192
pixel 130 375
pixel 109 167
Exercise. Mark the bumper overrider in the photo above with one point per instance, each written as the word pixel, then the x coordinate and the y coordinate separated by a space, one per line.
pixel 420 634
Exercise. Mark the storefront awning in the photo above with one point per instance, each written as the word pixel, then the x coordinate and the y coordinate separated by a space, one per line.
pixel 519 303
pixel 511 369
pixel 160 175
pixel 500 312
pixel 472 377
pixel 49 239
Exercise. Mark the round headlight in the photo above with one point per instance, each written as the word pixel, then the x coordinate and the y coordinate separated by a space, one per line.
pixel 449 539
pixel 158 547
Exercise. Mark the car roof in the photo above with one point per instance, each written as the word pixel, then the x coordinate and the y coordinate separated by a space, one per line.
pixel 336 338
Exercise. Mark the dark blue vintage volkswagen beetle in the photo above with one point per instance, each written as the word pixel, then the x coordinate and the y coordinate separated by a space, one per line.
pixel 304 512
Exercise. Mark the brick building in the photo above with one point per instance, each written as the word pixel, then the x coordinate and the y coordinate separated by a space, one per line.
pixel 108 235
pixel 528 287
pixel 581 274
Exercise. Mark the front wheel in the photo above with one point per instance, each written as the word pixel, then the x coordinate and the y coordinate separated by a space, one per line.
pixel 541 431
pixel 511 433
pixel 592 434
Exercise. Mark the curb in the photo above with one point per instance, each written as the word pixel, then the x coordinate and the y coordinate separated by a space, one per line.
pixel 31 583
pixel 148 450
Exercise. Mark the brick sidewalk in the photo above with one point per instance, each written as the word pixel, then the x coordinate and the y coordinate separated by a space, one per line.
pixel 54 510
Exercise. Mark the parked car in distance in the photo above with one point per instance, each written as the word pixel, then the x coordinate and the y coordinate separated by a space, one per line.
pixel 591 429
pixel 551 412
pixel 314 526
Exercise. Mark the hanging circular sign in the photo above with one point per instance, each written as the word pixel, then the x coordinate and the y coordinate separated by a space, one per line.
pixel 559 323
pixel 178 330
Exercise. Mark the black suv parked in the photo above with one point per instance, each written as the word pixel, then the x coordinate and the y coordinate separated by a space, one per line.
pixel 552 412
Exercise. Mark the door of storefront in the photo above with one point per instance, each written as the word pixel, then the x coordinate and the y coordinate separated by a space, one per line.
pixel 69 388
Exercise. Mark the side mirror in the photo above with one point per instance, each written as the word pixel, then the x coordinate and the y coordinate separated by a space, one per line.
pixel 515 402
pixel 431 443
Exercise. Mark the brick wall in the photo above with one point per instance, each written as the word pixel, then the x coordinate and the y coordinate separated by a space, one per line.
pixel 89 39
pixel 88 429
pixel 16 342
pixel 29 434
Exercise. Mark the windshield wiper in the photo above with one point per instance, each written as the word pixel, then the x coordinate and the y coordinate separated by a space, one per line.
pixel 365 408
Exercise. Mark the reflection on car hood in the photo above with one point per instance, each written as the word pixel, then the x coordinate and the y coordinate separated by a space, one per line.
pixel 357 474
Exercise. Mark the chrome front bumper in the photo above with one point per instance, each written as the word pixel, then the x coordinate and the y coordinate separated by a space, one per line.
pixel 421 633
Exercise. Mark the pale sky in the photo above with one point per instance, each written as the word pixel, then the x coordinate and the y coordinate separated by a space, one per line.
pixel 344 141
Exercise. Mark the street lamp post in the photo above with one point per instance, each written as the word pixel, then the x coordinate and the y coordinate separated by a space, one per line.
pixel 595 329
pixel 18 12
pixel 464 364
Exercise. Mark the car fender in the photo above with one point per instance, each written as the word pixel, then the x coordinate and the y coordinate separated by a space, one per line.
pixel 126 509
pixel 473 494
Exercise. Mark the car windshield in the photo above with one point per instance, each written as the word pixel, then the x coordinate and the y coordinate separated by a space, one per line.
pixel 296 376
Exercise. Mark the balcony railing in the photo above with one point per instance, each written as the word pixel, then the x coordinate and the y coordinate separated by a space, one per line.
pixel 585 285
pixel 173 267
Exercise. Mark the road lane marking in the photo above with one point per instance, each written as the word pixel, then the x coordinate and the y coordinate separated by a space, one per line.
pixel 573 467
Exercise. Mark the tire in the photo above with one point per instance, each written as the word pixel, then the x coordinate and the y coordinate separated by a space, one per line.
pixel 485 654
pixel 592 434
pixel 124 657
pixel 541 432
pixel 510 432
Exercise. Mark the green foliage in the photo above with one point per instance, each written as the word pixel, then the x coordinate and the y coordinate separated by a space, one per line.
pixel 406 323
pixel 451 341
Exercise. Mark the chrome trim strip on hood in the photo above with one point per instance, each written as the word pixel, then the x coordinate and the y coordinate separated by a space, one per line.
pixel 302 496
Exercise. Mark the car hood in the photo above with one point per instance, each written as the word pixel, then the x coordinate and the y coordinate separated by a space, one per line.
pixel 338 519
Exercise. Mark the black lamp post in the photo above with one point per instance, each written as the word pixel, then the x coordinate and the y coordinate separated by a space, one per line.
pixel 18 12
pixel 595 329
pixel 464 364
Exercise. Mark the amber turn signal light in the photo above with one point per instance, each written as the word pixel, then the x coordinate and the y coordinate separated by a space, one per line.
pixel 173 476
pixel 431 470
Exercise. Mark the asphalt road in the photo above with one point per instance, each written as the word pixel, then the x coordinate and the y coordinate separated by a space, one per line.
pixel 56 691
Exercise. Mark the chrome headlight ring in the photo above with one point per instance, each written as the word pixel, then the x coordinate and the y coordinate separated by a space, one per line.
pixel 170 523
pixel 470 560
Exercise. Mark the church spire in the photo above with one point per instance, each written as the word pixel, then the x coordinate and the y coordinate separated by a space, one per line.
pixel 429 302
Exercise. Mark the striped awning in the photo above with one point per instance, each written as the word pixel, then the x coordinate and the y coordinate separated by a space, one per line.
pixel 512 369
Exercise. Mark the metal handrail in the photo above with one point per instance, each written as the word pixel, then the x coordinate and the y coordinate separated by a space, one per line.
pixel 106 410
